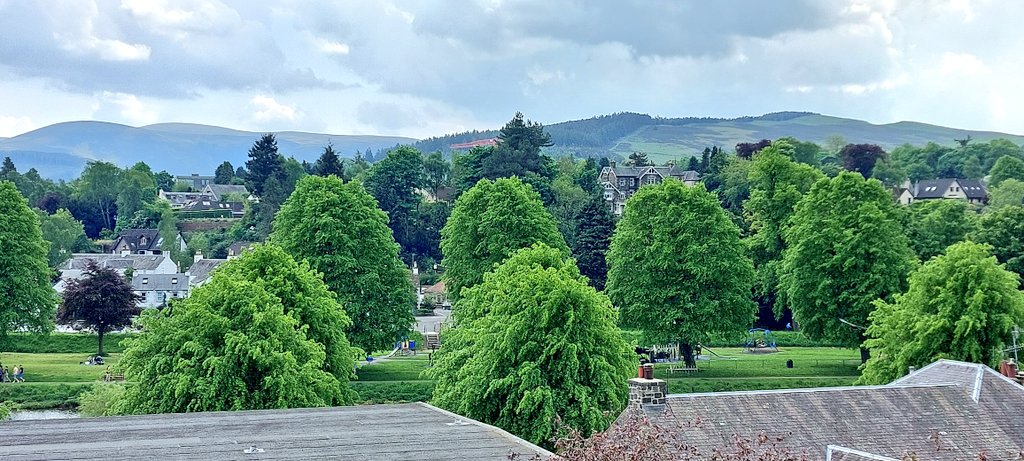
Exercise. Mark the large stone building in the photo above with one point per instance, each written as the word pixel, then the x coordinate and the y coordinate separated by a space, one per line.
pixel 621 182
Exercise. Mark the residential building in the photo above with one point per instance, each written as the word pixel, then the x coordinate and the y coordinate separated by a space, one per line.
pixel 201 269
pixel 206 206
pixel 144 242
pixel 621 182
pixel 180 199
pixel 971 190
pixel 157 290
pixel 407 431
pixel 139 264
pixel 947 410
pixel 196 181
pixel 218 191
pixel 236 249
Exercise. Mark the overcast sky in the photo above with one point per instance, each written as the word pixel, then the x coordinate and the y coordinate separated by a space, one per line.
pixel 421 68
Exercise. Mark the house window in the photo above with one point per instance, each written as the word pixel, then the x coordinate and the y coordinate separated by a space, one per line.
pixel 622 182
pixel 650 179
pixel 632 181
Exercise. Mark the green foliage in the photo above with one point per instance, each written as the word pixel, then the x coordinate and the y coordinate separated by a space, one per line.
pixel 490 222
pixel 436 172
pixel 65 235
pixel 263 332
pixel 594 226
pixel 98 185
pixel 534 343
pixel 776 185
pixel 373 393
pixel 568 200
pixel 1007 167
pixel 1003 229
pixel 1009 192
pixel 845 248
pixel 136 189
pixel 933 225
pixel 264 163
pixel 337 228
pixel 7 406
pixel 735 186
pixel 101 400
pixel 329 163
pixel 677 269
pixel 394 182
pixel 519 151
pixel 28 299
pixel 34 396
pixel 224 174
pixel 962 305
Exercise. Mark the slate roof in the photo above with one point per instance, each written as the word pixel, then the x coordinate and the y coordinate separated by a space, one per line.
pixel 180 198
pixel 160 282
pixel 210 204
pixel 931 413
pixel 412 431
pixel 665 171
pixel 973 188
pixel 79 261
pixel 200 270
pixel 219 190
pixel 935 188
pixel 133 238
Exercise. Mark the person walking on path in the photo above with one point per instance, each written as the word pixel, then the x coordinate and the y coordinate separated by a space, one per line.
pixel 21 373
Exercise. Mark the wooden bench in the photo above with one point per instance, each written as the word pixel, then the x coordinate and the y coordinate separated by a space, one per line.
pixel 113 377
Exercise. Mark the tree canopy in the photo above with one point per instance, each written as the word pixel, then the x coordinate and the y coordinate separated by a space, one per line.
pixel 536 343
pixel 677 269
pixel 845 248
pixel 594 228
pixel 861 158
pixel 394 182
pixel 490 222
pixel 933 225
pixel 263 332
pixel 1003 229
pixel 339 230
pixel 65 236
pixel 1007 167
pixel 1007 193
pixel 101 298
pixel 962 305
pixel 28 299
pixel 329 163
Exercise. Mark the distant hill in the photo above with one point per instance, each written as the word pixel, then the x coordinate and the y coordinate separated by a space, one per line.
pixel 662 139
pixel 61 150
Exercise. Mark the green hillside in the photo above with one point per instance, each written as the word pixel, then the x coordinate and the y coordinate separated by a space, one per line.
pixel 663 139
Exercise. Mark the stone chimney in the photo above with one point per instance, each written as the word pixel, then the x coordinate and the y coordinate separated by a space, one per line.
pixel 198 256
pixel 645 393
pixel 1008 368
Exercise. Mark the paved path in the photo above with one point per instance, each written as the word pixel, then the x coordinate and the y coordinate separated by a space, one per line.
pixel 432 322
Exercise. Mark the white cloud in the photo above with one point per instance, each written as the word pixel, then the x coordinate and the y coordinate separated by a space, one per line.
pixel 330 47
pixel 124 107
pixel 267 109
pixel 14 125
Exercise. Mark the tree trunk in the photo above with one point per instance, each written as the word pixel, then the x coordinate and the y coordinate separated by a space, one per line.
pixel 864 355
pixel 686 351
pixel 100 334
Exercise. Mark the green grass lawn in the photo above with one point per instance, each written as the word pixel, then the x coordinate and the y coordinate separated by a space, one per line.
pixel 57 368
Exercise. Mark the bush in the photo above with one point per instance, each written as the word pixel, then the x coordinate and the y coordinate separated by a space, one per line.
pixel 100 400
pixel 63 343
pixel 39 396
pixel 6 408
pixel 393 392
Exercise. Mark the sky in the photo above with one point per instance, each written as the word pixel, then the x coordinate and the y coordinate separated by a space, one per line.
pixel 429 67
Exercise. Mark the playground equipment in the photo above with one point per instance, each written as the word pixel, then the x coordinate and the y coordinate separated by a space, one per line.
pixel 760 341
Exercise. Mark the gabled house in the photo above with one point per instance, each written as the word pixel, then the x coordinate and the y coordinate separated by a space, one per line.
pixel 620 183
pixel 948 410
pixel 971 190
pixel 218 191
pixel 157 290
pixel 201 270
pixel 180 199
pixel 143 242
pixel 206 206
pixel 139 265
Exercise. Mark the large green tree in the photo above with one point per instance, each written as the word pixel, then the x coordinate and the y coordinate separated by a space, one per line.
pixel 961 305
pixel 394 182
pixel 490 222
pixel 1007 167
pixel 535 345
pixel 27 298
pixel 845 248
pixel 933 225
pixel 1007 193
pixel 264 163
pixel 519 151
pixel 224 174
pixel 101 298
pixel 329 163
pixel 1003 229
pixel 436 172
pixel 263 332
pixel 777 184
pixel 677 269
pixel 99 186
pixel 339 230
pixel 594 227
pixel 65 236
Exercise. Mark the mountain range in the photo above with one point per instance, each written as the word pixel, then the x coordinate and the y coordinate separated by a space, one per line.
pixel 61 150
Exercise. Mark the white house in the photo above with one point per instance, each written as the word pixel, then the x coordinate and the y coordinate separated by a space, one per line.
pixel 157 289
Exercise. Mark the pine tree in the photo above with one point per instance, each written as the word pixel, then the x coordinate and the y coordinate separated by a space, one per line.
pixel 329 163
pixel 594 228
pixel 264 163
pixel 224 174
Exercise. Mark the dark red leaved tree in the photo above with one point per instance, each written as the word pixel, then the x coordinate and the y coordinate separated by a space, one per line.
pixel 101 298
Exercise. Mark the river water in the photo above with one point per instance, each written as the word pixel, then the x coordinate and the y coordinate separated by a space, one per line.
pixel 32 415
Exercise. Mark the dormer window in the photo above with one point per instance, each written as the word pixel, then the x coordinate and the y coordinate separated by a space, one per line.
pixel 142 240
pixel 174 281
pixel 145 280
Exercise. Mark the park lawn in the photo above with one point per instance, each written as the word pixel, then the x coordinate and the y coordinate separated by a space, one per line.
pixel 57 368
pixel 407 368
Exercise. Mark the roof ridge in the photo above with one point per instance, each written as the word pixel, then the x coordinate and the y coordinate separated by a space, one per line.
pixel 497 430
pixel 807 390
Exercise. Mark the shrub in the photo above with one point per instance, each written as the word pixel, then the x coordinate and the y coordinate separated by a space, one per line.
pixel 101 400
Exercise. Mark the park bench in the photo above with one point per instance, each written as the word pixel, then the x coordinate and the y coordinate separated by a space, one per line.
pixel 108 377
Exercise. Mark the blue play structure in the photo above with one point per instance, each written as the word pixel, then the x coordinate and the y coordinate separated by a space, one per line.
pixel 760 340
